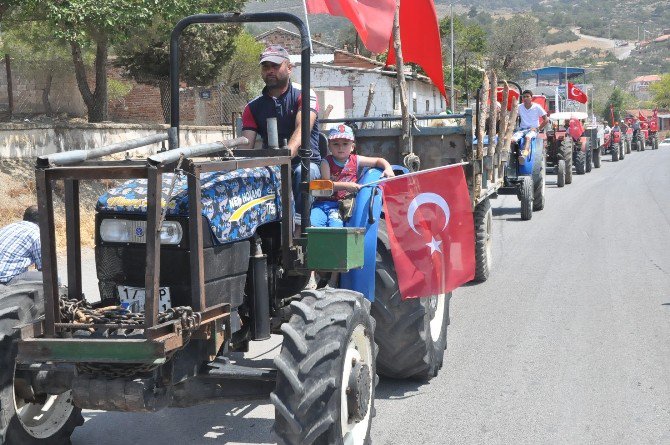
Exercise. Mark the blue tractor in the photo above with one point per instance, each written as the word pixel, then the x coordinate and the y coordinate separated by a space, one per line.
pixel 195 258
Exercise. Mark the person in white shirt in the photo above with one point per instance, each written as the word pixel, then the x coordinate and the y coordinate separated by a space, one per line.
pixel 533 118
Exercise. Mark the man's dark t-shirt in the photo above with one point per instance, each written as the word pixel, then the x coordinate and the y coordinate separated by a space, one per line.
pixel 284 108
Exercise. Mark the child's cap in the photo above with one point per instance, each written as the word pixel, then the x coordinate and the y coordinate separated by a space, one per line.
pixel 341 132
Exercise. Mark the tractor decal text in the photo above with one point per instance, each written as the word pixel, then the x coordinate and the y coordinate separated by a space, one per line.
pixel 239 212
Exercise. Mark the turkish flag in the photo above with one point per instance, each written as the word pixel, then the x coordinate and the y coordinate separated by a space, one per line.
pixel 512 97
pixel 420 40
pixel 373 19
pixel 431 230
pixel 576 129
pixel 574 93
pixel 640 116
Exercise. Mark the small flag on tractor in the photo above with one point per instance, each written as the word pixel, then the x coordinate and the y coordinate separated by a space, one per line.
pixel 574 93
pixel 641 117
pixel 431 230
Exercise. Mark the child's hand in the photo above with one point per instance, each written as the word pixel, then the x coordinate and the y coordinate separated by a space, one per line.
pixel 388 173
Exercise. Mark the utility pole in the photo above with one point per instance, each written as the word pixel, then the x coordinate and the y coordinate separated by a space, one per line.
pixel 465 81
pixel 451 86
pixel 406 140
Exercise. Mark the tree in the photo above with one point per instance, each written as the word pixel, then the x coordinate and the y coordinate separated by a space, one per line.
pixel 660 91
pixel 204 50
pixel 30 44
pixel 515 45
pixel 619 101
pixel 469 49
pixel 99 24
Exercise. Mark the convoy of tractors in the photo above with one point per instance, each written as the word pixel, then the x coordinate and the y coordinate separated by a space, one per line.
pixel 198 284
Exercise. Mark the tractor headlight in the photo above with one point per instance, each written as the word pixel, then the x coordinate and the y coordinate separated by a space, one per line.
pixel 171 232
pixel 115 230
pixel 134 231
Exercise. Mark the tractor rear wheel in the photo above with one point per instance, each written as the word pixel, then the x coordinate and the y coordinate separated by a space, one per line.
pixel 483 217
pixel 412 333
pixel 596 158
pixel 539 169
pixel 27 418
pixel 580 162
pixel 326 370
pixel 560 173
pixel 615 152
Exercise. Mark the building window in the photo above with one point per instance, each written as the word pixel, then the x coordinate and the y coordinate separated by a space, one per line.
pixel 427 105
pixel 414 105
pixel 395 98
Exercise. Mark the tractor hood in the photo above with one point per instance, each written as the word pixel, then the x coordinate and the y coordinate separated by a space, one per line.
pixel 235 203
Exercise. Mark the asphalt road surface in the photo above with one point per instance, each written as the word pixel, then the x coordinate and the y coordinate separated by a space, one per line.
pixel 567 343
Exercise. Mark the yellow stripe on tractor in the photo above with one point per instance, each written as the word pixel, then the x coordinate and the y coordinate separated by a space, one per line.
pixel 242 210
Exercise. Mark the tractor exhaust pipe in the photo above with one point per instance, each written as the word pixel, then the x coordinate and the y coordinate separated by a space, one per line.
pixel 260 299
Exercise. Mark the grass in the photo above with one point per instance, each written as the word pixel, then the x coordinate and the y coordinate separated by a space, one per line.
pixel 18 191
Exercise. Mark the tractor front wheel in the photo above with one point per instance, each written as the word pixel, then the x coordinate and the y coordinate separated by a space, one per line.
pixel 412 333
pixel 326 370
pixel 622 151
pixel 27 417
pixel 560 173
pixel 526 197
pixel 539 170
pixel 565 153
pixel 615 152
pixel 596 158
pixel 580 162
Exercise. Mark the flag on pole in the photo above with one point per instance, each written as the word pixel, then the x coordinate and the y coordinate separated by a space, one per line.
pixel 373 19
pixel 640 116
pixel 431 230
pixel 574 93
pixel 420 40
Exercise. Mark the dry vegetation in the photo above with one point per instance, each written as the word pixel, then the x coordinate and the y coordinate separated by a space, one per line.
pixel 17 191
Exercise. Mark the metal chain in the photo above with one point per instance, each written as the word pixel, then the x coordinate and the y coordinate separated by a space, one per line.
pixel 80 312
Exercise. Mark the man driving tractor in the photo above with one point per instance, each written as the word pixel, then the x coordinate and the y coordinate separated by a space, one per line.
pixel 533 119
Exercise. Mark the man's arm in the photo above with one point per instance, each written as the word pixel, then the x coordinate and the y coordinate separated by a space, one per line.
pixel 249 128
pixel 251 137
pixel 296 138
pixel 543 122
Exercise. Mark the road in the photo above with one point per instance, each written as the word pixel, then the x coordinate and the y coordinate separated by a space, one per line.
pixel 568 342
pixel 620 52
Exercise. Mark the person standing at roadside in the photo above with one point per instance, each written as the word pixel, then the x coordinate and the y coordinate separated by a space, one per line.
pixel 20 248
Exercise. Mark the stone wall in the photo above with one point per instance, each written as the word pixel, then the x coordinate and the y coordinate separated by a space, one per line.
pixel 31 140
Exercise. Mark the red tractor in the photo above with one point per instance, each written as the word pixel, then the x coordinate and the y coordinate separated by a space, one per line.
pixel 567 146
pixel 614 144
pixel 652 135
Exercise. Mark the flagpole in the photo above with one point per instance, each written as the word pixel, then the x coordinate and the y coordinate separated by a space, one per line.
pixel 451 85
pixel 309 34
pixel 405 175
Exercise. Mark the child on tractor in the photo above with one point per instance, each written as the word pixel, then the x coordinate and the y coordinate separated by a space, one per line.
pixel 342 166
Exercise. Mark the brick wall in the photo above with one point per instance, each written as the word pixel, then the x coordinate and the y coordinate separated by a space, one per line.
pixel 291 42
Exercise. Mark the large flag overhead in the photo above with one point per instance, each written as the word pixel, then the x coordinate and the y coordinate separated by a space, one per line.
pixel 420 39
pixel 431 230
pixel 373 19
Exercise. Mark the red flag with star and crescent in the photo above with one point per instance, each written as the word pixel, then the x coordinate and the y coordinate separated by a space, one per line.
pixel 431 230
pixel 576 94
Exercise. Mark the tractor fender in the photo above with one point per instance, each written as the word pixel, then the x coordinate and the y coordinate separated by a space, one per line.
pixel 366 213
pixel 527 168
